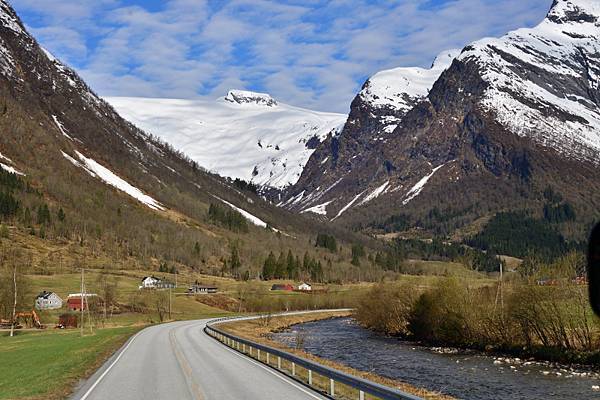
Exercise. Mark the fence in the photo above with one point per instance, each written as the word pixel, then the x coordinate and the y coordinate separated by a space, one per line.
pixel 276 358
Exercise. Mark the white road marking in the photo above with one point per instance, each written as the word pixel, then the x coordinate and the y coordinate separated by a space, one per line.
pixel 109 367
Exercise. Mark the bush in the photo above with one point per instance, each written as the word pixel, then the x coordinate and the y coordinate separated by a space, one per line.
pixel 385 308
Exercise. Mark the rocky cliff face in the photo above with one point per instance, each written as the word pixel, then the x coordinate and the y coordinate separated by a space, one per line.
pixel 509 117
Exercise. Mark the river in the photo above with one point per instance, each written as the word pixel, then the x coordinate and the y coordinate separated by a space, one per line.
pixel 461 374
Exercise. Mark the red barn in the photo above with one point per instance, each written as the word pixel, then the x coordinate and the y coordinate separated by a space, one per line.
pixel 74 301
pixel 286 287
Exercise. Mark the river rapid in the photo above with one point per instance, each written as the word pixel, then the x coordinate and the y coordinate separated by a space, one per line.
pixel 461 374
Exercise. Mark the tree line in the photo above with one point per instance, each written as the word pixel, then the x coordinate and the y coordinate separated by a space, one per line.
pixel 289 266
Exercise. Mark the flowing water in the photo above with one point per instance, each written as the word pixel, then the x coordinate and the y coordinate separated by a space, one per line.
pixel 466 375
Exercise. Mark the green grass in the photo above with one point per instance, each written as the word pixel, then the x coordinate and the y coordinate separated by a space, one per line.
pixel 47 364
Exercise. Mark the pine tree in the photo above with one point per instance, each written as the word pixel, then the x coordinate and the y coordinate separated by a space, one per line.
pixel 269 267
pixel 61 215
pixel 234 261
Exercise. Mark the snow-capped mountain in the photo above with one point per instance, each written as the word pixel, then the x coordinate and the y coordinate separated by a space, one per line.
pixel 243 135
pixel 506 118
pixel 392 93
pixel 82 156
pixel 543 82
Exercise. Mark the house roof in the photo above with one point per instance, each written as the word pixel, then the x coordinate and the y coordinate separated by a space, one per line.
pixel 45 295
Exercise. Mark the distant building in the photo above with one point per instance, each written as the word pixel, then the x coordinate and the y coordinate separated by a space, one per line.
pixel 279 286
pixel 152 282
pixel 74 301
pixel 304 287
pixel 48 301
pixel 200 289
pixel 149 282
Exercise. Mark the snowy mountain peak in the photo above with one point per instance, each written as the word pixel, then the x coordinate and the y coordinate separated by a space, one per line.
pixel 398 88
pixel 392 93
pixel 247 97
pixel 268 145
pixel 544 82
pixel 579 11
pixel 443 60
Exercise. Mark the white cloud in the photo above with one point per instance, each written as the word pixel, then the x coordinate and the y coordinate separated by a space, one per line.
pixel 309 53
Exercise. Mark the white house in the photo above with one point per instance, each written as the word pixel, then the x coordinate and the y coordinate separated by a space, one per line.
pixel 48 301
pixel 149 282
pixel 305 287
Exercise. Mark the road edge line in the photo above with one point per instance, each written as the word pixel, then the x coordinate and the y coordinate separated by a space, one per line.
pixel 106 371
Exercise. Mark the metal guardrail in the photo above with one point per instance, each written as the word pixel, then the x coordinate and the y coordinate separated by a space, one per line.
pixel 245 346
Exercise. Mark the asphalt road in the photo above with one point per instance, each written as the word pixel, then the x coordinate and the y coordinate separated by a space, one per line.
pixel 179 361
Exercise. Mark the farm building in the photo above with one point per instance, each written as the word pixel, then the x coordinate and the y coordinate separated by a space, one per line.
pixel 48 301
pixel 199 289
pixel 279 286
pixel 149 282
pixel 89 300
pixel 304 287
pixel 152 282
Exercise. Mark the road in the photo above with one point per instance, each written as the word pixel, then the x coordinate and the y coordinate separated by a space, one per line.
pixel 179 361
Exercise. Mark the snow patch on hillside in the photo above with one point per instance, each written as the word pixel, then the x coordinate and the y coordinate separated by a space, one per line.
pixel 375 193
pixel 320 209
pixel 253 219
pixel 107 176
pixel 61 128
pixel 418 187
pixel 10 169
pixel 347 206
pixel 267 145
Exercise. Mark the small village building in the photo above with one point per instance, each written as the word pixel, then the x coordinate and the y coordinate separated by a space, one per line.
pixel 201 289
pixel 305 287
pixel 281 286
pixel 152 282
pixel 74 301
pixel 149 282
pixel 48 301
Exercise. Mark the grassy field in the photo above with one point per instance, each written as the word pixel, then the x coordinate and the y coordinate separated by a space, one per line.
pixel 47 364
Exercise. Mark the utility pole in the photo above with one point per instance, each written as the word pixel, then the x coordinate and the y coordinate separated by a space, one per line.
pixel 169 302
pixel 81 304
pixel 14 314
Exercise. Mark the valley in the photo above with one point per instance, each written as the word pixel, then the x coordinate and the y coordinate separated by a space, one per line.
pixel 450 207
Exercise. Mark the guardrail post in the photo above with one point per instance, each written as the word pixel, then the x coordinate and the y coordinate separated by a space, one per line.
pixel 244 347
pixel 238 345
pixel 361 395
pixel 258 354
pixel 268 354
pixel 310 378
pixel 278 362
pixel 331 387
pixel 293 369
pixel 250 351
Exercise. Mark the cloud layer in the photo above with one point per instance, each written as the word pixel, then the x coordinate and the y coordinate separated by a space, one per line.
pixel 310 53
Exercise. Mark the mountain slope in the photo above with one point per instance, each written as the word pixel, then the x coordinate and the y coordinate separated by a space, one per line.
pixel 376 111
pixel 509 117
pixel 107 193
pixel 244 135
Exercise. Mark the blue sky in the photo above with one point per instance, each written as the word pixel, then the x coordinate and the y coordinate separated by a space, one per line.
pixel 309 53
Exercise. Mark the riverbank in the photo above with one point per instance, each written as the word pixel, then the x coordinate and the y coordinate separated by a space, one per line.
pixel 550 323
pixel 261 331
pixel 461 374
